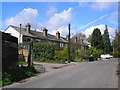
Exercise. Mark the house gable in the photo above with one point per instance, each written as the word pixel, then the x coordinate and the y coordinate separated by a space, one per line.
pixel 14 33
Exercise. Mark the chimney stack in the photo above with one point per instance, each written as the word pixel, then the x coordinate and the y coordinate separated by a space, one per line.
pixel 45 32
pixel 28 26
pixel 58 35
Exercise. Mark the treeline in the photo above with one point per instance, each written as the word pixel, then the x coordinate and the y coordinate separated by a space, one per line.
pixel 102 42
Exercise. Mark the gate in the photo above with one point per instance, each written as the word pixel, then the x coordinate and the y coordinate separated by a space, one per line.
pixel 23 52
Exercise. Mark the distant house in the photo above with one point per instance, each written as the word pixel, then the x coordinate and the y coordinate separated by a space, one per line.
pixel 78 41
pixel 26 35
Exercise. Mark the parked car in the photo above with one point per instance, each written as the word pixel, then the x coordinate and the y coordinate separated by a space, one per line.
pixel 106 56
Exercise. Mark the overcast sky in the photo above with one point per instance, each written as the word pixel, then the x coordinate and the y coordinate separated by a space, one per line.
pixel 55 16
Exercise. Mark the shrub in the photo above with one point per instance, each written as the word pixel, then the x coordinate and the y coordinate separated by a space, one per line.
pixel 41 59
pixel 6 79
pixel 0 83
pixel 61 55
pixel 22 63
pixel 29 74
pixel 17 74
pixel 116 54
pixel 95 53
pixel 80 60
pixel 43 50
pixel 82 53
pixel 91 58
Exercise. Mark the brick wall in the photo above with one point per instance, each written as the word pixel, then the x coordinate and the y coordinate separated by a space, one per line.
pixel 9 51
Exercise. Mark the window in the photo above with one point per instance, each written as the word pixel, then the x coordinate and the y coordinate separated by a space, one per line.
pixel 38 40
pixel 61 44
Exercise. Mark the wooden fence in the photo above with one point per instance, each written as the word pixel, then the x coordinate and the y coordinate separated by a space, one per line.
pixel 23 55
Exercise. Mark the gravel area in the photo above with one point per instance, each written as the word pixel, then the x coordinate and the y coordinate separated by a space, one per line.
pixel 46 67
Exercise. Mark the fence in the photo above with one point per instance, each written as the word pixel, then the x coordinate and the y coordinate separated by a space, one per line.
pixel 23 55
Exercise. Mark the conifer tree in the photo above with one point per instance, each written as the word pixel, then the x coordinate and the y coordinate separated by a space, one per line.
pixel 106 41
pixel 96 40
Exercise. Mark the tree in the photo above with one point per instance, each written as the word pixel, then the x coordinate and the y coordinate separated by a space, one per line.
pixel 89 38
pixel 106 41
pixel 96 40
pixel 116 44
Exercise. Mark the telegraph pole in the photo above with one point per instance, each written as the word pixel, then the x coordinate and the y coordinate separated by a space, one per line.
pixel 20 35
pixel 30 58
pixel 69 43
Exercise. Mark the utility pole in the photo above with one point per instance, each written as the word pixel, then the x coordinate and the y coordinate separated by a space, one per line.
pixel 30 58
pixel 20 35
pixel 69 43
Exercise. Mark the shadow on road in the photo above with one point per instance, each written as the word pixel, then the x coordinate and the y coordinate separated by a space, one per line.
pixel 118 72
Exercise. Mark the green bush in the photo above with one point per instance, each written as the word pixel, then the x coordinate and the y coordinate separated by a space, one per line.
pixel 0 83
pixel 91 58
pixel 43 50
pixel 41 59
pixel 116 54
pixel 22 63
pixel 50 60
pixel 95 53
pixel 17 74
pixel 82 53
pixel 61 55
pixel 80 60
pixel 29 74
pixel 6 79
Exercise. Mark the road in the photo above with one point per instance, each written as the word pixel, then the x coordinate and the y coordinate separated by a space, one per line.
pixel 98 74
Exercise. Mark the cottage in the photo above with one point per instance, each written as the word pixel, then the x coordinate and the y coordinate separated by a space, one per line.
pixel 26 35
pixel 78 41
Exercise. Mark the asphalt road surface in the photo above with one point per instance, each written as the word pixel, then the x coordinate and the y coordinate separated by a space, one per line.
pixel 98 74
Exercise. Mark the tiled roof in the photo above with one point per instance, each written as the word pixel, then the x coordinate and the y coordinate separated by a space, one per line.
pixel 39 35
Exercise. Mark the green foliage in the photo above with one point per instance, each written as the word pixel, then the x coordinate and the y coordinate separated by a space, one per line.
pixel 6 79
pixel 116 44
pixel 80 60
pixel 95 53
pixel 22 63
pixel 89 38
pixel 96 40
pixel 42 59
pixel 17 74
pixel 91 58
pixel 61 55
pixel 92 49
pixel 0 83
pixel 29 74
pixel 106 42
pixel 116 54
pixel 43 50
pixel 82 53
